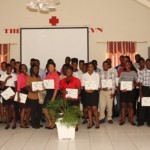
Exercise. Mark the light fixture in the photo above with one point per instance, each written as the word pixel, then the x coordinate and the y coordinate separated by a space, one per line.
pixel 42 5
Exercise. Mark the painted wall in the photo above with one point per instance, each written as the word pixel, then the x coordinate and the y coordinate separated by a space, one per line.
pixel 120 19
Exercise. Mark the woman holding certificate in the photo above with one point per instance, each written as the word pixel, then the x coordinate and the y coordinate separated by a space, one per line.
pixel 128 80
pixel 34 85
pixel 8 85
pixel 51 84
pixel 21 89
pixel 70 88
pixel 90 82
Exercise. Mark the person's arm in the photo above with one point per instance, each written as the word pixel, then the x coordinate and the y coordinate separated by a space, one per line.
pixel 140 87
pixel 56 82
pixel 5 81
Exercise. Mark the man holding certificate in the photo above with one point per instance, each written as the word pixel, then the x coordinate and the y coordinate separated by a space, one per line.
pixel 144 110
pixel 128 81
pixel 107 89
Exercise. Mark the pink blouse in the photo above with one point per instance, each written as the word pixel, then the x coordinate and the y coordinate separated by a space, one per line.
pixel 21 81
pixel 54 76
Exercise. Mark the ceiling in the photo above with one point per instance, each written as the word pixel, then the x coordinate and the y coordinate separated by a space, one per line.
pixel 144 2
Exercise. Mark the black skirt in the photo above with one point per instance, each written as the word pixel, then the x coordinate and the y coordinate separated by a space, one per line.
pixel 92 99
pixel 73 102
pixel 9 101
pixel 48 97
pixel 128 97
pixel 83 97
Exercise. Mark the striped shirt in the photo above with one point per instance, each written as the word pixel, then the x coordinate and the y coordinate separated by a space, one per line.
pixel 144 77
pixel 129 76
pixel 108 75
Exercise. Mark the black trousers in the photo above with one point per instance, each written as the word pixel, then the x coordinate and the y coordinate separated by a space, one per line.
pixel 144 112
pixel 36 112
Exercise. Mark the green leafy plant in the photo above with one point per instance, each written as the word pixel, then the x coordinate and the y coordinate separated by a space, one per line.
pixel 71 115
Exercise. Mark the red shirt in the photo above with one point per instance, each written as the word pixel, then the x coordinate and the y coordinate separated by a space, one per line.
pixel 21 81
pixel 55 77
pixel 74 84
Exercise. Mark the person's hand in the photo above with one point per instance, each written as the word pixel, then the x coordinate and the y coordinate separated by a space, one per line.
pixel 12 97
pixel 19 99
pixel 105 89
pixel 52 100
pixel 125 90
pixel 111 95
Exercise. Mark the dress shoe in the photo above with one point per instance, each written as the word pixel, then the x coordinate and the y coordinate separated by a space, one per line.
pixel 102 121
pixel 110 121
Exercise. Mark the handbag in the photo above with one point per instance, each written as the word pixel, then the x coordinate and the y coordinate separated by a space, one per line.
pixel 41 95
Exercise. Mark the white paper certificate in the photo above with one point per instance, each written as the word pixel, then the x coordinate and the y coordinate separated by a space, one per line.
pixel 72 93
pixel 126 85
pixel 23 98
pixel 106 83
pixel 7 93
pixel 146 101
pixel 37 86
pixel 48 84
pixel 91 85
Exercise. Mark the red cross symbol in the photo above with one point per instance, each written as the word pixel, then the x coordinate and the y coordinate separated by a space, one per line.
pixel 53 21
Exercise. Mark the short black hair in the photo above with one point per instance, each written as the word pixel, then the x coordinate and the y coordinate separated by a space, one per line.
pixel 141 59
pixel 81 61
pixel 12 59
pixel 69 68
pixel 8 65
pixel 32 59
pixel 74 60
pixel 147 59
pixel 67 57
pixel 3 63
pixel 105 62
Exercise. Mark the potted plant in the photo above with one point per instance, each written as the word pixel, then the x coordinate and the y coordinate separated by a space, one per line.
pixel 65 116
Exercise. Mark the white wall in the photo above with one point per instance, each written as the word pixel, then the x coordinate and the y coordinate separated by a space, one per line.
pixel 120 19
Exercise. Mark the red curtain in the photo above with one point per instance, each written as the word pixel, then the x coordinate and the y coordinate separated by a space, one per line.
pixel 4 52
pixel 117 48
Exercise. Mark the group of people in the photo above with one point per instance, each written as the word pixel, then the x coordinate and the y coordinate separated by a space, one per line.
pixel 99 91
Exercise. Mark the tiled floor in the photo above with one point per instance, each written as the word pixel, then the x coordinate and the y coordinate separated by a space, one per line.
pixel 108 137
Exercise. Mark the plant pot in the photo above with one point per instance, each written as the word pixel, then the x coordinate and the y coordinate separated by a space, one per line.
pixel 65 132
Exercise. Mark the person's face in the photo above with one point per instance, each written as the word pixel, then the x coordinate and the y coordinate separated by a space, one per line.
pixel 148 65
pixel 137 57
pixel 24 69
pixel 64 70
pixel 81 65
pixel 51 68
pixel 105 66
pixel 84 69
pixel 74 65
pixel 9 70
pixel 32 62
pixel 142 64
pixel 121 59
pixel 128 66
pixel 12 64
pixel 37 63
pixel 69 72
pixel 17 66
pixel 90 68
pixel 67 61
pixel 3 67
pixel 36 70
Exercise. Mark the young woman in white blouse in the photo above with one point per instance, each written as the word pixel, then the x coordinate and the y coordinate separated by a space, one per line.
pixel 9 79
pixel 91 94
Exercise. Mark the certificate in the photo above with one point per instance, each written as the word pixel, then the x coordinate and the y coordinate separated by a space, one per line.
pixel 37 86
pixel 107 83
pixel 23 98
pixel 72 93
pixel 91 85
pixel 48 84
pixel 145 101
pixel 7 93
pixel 126 85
